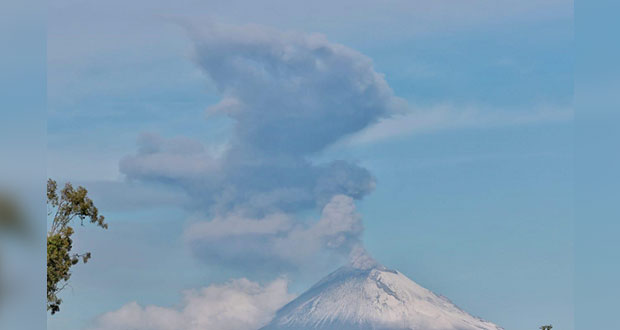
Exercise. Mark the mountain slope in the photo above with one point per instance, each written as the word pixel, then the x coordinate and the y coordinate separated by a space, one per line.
pixel 372 297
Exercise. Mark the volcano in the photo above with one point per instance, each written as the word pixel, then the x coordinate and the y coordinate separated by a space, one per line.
pixel 370 296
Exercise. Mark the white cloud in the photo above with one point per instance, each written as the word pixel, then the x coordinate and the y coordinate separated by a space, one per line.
pixel 236 305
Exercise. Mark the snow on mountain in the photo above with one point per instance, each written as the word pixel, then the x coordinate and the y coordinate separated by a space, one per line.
pixel 365 296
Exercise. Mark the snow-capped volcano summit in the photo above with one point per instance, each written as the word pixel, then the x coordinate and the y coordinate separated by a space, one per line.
pixel 366 295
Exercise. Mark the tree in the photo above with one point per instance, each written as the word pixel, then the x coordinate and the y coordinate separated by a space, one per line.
pixel 66 206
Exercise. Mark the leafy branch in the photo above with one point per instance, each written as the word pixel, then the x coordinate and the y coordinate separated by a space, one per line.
pixel 66 205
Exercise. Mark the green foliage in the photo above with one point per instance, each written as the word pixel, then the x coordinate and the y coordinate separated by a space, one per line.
pixel 66 205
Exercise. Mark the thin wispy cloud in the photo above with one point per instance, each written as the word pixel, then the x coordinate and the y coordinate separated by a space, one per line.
pixel 449 117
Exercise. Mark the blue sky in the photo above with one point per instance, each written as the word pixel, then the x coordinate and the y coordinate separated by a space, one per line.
pixel 596 163
pixel 472 161
pixel 22 141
